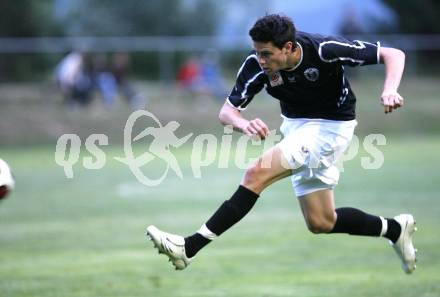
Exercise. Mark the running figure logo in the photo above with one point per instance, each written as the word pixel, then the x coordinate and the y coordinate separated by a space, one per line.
pixel 164 138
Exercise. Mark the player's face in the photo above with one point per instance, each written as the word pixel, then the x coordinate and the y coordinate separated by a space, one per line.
pixel 271 58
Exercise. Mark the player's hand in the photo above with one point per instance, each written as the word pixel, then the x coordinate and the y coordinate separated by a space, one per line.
pixel 256 127
pixel 391 100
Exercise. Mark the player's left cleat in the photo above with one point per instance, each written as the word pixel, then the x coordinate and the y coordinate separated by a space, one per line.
pixel 171 245
pixel 404 246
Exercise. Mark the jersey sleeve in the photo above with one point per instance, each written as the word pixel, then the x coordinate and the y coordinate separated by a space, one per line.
pixel 248 83
pixel 348 52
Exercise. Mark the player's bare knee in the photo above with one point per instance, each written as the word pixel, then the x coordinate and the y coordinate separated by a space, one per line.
pixel 319 228
pixel 252 176
pixel 319 224
pixel 255 177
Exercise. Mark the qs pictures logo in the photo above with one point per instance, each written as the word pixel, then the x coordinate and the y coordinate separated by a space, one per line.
pixel 163 139
pixel 206 149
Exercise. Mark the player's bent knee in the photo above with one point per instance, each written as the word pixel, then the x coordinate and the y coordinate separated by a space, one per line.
pixel 256 177
pixel 320 228
pixel 252 176
pixel 319 225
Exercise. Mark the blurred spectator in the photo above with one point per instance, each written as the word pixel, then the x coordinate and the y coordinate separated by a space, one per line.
pixel 202 77
pixel 350 24
pixel 73 77
pixel 211 75
pixel 78 75
pixel 189 75
pixel 121 70
pixel 104 79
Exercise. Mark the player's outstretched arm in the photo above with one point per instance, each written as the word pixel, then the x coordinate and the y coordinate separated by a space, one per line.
pixel 394 61
pixel 229 115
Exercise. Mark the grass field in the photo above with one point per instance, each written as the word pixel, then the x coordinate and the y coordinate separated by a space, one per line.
pixel 85 236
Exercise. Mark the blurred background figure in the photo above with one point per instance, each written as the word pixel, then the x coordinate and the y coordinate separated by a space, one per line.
pixel 121 70
pixel 103 79
pixel 81 76
pixel 203 76
pixel 188 76
pixel 73 77
pixel 211 75
pixel 350 24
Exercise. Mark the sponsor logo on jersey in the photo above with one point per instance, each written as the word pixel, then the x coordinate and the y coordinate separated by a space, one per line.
pixel 312 74
pixel 276 79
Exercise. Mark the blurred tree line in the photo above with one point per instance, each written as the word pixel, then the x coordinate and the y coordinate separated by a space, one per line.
pixel 414 17
pixel 25 18
pixel 28 18
pixel 417 17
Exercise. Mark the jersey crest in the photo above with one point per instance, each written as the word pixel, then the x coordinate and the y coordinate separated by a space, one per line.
pixel 312 74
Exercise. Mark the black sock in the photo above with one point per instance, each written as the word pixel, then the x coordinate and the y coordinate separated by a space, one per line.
pixel 393 231
pixel 229 213
pixel 194 243
pixel 356 222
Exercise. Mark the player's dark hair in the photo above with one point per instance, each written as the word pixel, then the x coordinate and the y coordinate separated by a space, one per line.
pixel 274 28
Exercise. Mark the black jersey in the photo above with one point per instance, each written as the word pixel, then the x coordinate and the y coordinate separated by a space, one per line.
pixel 317 87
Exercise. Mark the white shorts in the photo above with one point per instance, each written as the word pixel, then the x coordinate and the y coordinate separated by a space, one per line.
pixel 312 147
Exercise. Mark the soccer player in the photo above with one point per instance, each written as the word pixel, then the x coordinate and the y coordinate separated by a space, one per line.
pixel 305 72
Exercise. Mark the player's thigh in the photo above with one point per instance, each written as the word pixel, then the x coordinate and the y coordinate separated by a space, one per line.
pixel 267 169
pixel 318 209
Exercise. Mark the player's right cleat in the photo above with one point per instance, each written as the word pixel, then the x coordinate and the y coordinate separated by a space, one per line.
pixel 171 245
pixel 404 246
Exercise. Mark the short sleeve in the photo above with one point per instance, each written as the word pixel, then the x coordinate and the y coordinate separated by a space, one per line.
pixel 349 52
pixel 248 83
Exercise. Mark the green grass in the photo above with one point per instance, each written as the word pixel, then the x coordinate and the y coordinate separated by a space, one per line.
pixel 85 236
